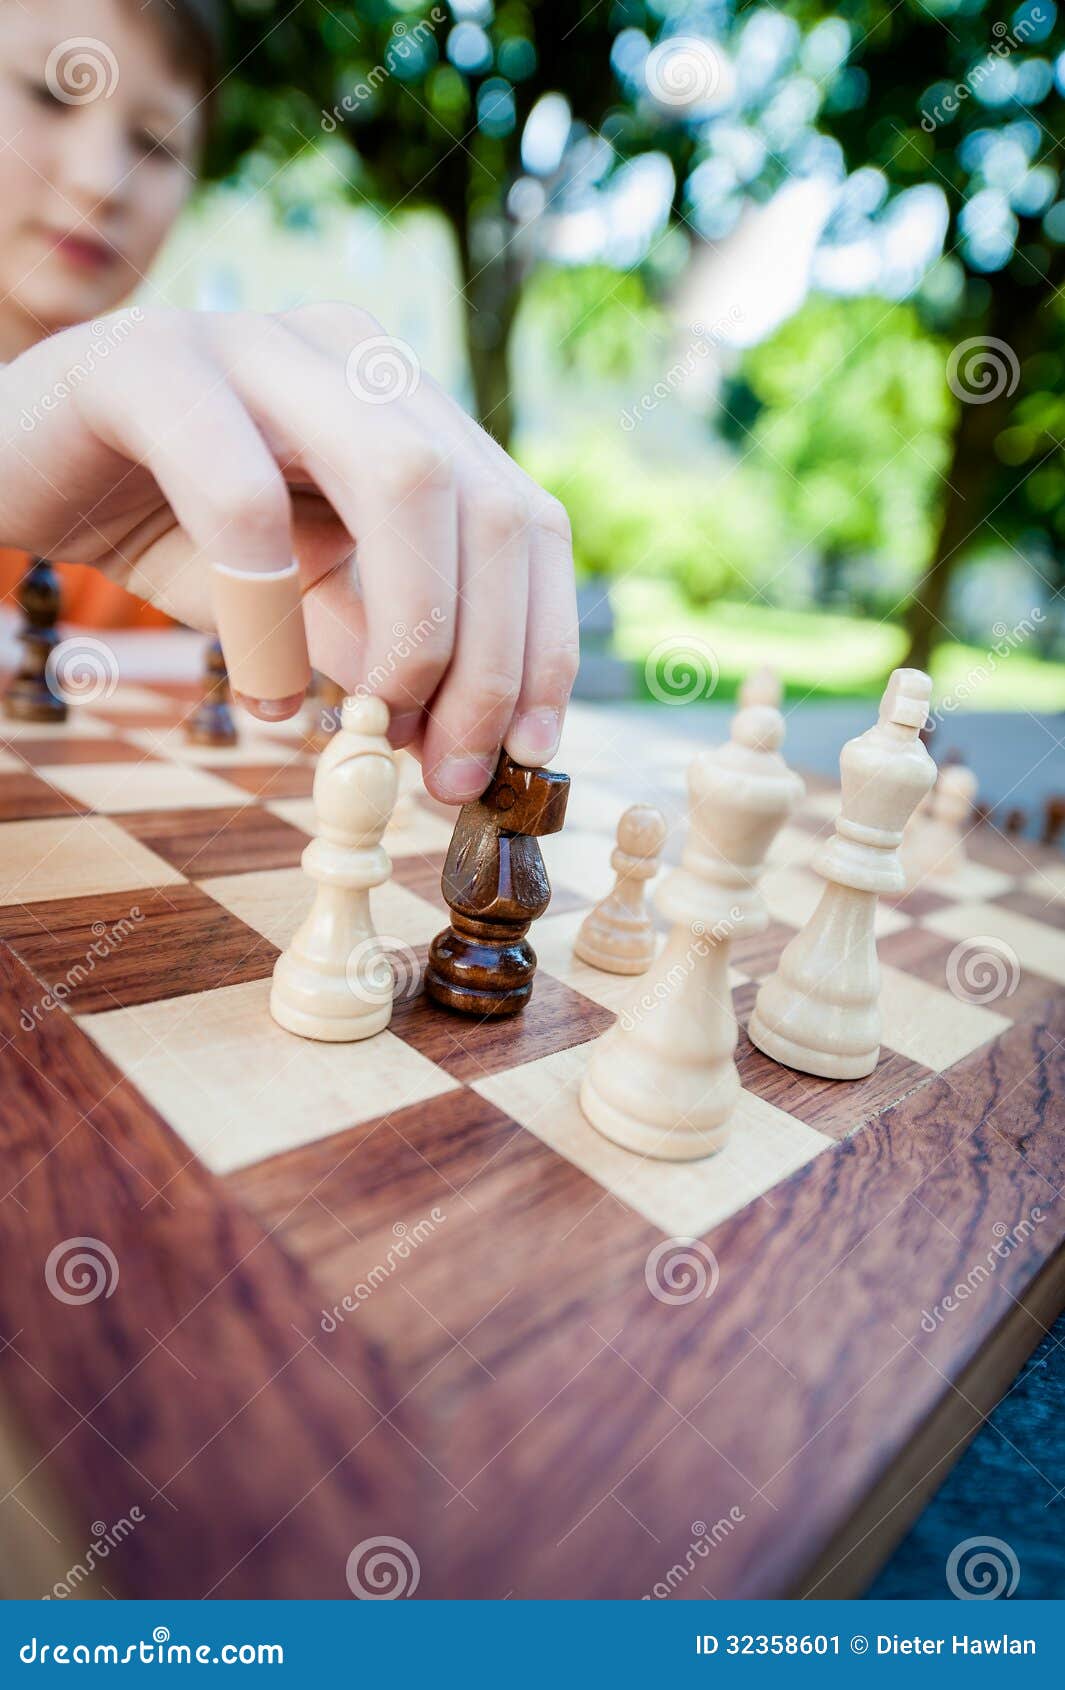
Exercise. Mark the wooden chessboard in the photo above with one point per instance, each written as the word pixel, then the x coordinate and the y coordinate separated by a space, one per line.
pixel 401 1290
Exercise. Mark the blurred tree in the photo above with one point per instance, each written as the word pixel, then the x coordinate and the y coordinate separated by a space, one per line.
pixel 948 93
pixel 509 116
pixel 847 404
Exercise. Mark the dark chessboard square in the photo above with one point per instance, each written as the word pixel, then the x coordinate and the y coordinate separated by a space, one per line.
pixel 52 752
pixel 421 874
pixel 469 1048
pixel 835 1107
pixel 1049 911
pixel 758 954
pixel 123 948
pixel 918 951
pixel 203 843
pixel 25 797
pixel 564 900
pixel 269 781
pixel 379 1172
pixel 920 902
pixel 987 845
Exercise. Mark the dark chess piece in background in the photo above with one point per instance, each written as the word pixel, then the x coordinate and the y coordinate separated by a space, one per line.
pixel 1053 820
pixel 211 723
pixel 29 698
pixel 495 884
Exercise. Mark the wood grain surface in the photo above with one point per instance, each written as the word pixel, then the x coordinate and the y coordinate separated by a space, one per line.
pixel 192 1390
pixel 582 1430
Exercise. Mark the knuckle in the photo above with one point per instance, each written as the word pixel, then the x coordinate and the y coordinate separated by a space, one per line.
pixel 495 690
pixel 557 671
pixel 413 467
pixel 254 508
pixel 501 517
pixel 552 518
pixel 422 665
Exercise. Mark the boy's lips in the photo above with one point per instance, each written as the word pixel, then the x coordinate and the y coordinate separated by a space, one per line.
pixel 83 251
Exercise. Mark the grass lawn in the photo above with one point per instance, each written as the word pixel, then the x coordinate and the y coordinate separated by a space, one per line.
pixel 815 653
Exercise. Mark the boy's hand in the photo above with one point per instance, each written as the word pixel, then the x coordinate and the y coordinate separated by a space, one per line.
pixel 155 443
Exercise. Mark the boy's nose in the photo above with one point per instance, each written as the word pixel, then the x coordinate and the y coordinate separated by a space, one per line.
pixel 95 159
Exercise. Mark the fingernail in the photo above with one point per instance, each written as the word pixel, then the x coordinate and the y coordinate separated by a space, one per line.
pixel 459 780
pixel 534 737
pixel 270 709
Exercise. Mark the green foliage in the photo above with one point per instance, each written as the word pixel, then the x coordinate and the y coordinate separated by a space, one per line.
pixel 966 96
pixel 599 322
pixel 708 534
pixel 848 405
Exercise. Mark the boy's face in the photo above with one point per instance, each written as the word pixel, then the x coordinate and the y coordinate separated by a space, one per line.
pixel 98 141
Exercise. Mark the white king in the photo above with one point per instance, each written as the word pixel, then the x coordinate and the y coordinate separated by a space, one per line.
pixel 820 1011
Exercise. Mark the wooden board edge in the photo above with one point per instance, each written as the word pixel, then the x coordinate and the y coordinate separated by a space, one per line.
pixel 850 1562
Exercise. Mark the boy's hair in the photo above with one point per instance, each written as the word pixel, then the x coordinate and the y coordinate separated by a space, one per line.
pixel 195 36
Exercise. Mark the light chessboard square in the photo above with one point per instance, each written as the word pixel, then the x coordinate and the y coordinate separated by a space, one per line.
pixel 682 1199
pixel 121 788
pixel 553 939
pixel 580 860
pixel 72 856
pixel 78 725
pixel 423 835
pixel 237 1088
pixel 931 1026
pixel 130 700
pixel 1037 947
pixel 172 745
pixel 275 902
pixel 1047 882
pixel 969 880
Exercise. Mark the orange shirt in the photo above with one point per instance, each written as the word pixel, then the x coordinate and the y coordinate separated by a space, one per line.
pixel 89 598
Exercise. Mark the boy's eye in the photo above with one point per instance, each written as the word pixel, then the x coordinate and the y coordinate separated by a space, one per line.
pixel 148 143
pixel 42 95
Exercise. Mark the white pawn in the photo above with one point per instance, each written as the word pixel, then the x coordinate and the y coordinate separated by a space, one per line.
pixel 820 1011
pixel 762 686
pixel 618 935
pixel 663 1080
pixel 334 982
pixel 934 841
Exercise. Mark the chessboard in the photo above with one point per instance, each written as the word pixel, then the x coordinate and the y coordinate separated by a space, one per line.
pixel 278 1315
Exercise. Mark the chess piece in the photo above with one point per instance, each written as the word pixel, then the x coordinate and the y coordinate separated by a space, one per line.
pixel 335 982
pixel 327 699
pixel 912 850
pixel 495 885
pixel 663 1080
pixel 1053 820
pixel 618 935
pixel 934 841
pixel 819 1012
pixel 762 686
pixel 30 697
pixel 211 723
